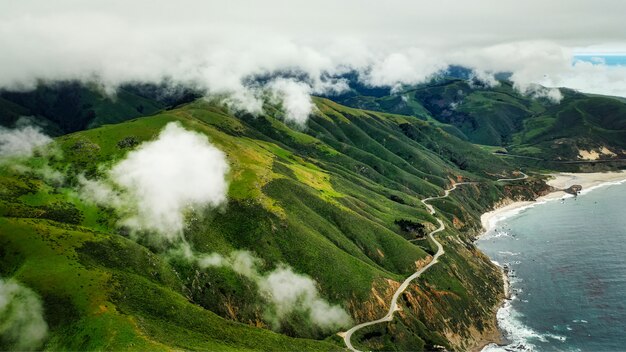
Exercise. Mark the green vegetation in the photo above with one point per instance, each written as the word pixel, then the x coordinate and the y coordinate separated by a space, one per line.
pixel 481 115
pixel 561 132
pixel 502 117
pixel 66 107
pixel 336 201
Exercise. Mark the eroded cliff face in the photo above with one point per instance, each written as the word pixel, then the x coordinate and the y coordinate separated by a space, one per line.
pixel 453 305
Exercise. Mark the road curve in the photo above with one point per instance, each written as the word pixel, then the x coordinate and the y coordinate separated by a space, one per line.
pixel 513 179
pixel 393 307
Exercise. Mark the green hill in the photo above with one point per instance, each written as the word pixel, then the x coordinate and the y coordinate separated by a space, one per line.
pixel 481 115
pixel 501 116
pixel 332 201
pixel 576 126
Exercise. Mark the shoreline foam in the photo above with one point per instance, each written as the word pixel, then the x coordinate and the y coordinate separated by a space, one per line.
pixel 489 220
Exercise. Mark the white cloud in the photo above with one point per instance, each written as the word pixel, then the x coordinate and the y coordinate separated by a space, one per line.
pixel 24 141
pixel 284 290
pixel 22 324
pixel 482 78
pixel 21 141
pixel 156 184
pixel 216 46
pixel 289 292
pixel 410 66
pixel 595 78
pixel 295 97
pixel 537 91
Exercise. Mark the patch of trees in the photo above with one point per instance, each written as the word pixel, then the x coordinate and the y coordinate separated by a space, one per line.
pixel 397 199
pixel 415 228
pixel 127 142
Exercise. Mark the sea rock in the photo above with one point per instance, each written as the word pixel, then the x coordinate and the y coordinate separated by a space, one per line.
pixel 574 189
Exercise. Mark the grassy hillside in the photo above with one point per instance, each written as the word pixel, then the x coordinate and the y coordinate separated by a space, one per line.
pixel 479 114
pixel 331 200
pixel 587 124
pixel 501 116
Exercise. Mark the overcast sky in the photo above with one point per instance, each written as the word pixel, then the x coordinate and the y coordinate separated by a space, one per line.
pixel 215 44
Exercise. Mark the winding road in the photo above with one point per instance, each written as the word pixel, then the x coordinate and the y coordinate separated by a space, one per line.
pixel 394 307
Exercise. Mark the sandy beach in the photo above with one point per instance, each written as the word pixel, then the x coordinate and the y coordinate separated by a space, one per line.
pixel 563 180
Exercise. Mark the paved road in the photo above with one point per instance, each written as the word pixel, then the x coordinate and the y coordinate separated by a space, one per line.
pixel 393 306
pixel 513 179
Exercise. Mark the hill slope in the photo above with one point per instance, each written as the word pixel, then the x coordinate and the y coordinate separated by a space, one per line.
pixel 579 127
pixel 583 128
pixel 482 115
pixel 336 201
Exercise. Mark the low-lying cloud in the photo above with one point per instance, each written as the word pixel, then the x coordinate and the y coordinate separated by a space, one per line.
pixel 22 141
pixel 285 291
pixel 289 292
pixel 295 97
pixel 22 323
pixel 157 184
pixel 218 48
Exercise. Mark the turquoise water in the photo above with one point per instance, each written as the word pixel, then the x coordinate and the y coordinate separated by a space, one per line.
pixel 568 273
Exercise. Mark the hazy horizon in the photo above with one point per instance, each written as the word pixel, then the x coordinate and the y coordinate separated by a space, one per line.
pixel 216 46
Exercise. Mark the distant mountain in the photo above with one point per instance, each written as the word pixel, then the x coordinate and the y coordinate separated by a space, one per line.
pixel 501 116
pixel 580 127
pixel 65 107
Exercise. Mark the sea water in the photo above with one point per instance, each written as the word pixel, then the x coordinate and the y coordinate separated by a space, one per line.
pixel 567 267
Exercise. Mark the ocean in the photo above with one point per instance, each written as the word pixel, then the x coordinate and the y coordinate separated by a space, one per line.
pixel 567 267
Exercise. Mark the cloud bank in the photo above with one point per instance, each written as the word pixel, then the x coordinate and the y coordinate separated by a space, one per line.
pixel 22 324
pixel 217 46
pixel 286 291
pixel 25 141
pixel 155 185
pixel 22 141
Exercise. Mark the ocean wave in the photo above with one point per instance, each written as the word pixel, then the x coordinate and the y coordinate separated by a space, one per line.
pixel 520 337
pixel 509 253
pixel 493 222
pixel 494 234
pixel 604 184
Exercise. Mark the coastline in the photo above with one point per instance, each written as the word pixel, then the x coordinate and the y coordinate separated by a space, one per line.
pixel 559 181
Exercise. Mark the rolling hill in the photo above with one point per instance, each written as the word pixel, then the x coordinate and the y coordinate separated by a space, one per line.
pixel 579 127
pixel 336 201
